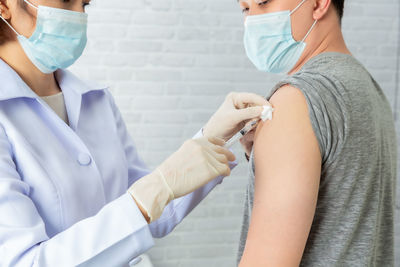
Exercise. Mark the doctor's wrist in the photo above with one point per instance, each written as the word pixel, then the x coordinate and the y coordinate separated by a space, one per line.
pixel 142 210
pixel 152 195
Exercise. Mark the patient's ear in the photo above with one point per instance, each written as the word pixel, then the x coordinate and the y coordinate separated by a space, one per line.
pixel 321 8
pixel 4 10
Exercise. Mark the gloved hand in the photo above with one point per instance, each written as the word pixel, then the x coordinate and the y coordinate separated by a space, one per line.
pixel 196 163
pixel 233 114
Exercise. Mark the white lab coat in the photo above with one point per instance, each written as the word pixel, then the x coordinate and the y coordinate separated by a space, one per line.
pixel 63 199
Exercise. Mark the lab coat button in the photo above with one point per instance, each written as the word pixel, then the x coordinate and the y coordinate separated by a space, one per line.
pixel 84 159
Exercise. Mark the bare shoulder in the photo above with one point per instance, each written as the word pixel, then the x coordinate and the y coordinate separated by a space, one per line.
pixel 287 173
pixel 291 124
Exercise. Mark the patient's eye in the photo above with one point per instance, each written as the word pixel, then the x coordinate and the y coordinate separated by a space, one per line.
pixel 262 3
pixel 244 6
pixel 245 9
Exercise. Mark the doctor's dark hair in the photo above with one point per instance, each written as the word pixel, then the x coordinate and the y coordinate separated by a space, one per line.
pixel 4 33
pixel 339 6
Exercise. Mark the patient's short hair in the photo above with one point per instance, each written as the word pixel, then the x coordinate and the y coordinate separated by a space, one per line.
pixel 339 6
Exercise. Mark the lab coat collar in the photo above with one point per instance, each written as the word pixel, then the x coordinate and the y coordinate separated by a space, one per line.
pixel 12 86
pixel 73 88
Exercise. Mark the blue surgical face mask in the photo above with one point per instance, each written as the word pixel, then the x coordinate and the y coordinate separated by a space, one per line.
pixel 269 42
pixel 58 40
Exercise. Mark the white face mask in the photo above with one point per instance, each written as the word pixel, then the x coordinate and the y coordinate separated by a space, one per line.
pixel 269 42
pixel 58 40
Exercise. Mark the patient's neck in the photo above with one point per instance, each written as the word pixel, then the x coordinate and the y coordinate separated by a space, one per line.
pixel 326 37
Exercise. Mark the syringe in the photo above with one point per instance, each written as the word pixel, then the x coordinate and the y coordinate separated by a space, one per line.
pixel 266 115
pixel 249 126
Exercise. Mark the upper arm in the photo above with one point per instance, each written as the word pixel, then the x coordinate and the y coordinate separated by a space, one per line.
pixel 287 176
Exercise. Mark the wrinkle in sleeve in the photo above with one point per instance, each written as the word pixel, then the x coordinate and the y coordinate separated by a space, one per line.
pixel 118 230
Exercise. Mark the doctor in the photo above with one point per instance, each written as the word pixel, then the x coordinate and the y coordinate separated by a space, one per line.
pixel 73 189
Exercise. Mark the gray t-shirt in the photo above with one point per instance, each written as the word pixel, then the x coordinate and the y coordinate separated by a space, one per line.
pixel 353 122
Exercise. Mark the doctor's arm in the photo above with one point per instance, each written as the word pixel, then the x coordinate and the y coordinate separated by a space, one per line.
pixel 178 208
pixel 287 174
pixel 118 230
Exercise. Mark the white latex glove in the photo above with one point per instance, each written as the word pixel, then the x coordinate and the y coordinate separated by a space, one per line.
pixel 233 114
pixel 196 163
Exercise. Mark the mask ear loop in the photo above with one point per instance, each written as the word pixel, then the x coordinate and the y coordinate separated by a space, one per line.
pixel 309 31
pixel 312 27
pixel 297 7
pixel 29 3
pixel 9 25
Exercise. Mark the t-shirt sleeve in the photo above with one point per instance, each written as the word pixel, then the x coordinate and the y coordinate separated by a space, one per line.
pixel 326 109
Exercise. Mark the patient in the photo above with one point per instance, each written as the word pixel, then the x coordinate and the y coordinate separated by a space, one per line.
pixel 322 185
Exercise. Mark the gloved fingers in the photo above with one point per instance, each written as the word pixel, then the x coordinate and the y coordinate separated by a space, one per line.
pixel 217 164
pixel 216 141
pixel 218 156
pixel 214 146
pixel 243 100
pixel 243 115
pixel 217 144
pixel 226 152
pixel 223 168
pixel 213 157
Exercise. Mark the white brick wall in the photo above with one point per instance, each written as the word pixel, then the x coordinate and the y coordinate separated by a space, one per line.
pixel 170 64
